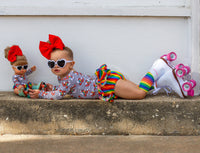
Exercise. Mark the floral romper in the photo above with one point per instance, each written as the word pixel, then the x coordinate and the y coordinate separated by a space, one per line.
pixel 82 86
pixel 21 80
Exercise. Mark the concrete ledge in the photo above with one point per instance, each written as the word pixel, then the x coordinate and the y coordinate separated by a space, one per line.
pixel 155 115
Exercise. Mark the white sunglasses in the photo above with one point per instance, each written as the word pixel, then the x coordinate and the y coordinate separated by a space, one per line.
pixel 60 63
pixel 19 67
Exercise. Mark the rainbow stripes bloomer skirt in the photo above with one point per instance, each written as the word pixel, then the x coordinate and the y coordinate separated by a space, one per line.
pixel 106 80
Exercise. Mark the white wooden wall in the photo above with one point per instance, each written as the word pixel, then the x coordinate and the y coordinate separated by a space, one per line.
pixel 97 7
pixel 127 35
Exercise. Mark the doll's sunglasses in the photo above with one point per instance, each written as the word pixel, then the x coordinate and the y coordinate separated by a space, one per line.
pixel 19 67
pixel 61 63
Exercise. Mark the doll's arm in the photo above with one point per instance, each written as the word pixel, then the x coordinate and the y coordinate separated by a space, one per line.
pixel 16 82
pixel 31 70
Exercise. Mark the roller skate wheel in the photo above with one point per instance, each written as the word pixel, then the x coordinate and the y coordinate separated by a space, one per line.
pixel 187 68
pixel 191 93
pixel 180 72
pixel 171 56
pixel 179 66
pixel 193 82
pixel 187 86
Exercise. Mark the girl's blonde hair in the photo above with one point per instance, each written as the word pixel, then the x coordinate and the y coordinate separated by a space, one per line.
pixel 20 60
pixel 69 52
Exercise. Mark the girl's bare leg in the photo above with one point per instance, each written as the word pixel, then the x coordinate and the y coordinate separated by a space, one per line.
pixel 128 90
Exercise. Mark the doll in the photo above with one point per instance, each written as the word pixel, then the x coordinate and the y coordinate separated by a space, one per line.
pixel 19 65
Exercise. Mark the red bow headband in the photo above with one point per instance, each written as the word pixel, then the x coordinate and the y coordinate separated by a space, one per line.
pixel 46 48
pixel 14 52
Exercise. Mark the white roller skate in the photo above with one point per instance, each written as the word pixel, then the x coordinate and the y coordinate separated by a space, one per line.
pixel 173 80
pixel 162 65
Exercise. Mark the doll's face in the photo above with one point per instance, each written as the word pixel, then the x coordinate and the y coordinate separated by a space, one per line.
pixel 20 69
pixel 61 71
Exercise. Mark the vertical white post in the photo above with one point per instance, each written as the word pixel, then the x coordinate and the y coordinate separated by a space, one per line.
pixel 195 42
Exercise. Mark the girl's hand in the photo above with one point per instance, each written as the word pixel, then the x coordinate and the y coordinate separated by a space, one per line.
pixel 34 93
pixel 49 87
pixel 33 68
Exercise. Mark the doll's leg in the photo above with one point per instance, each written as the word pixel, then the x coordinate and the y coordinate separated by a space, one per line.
pixel 20 91
pixel 16 91
pixel 128 90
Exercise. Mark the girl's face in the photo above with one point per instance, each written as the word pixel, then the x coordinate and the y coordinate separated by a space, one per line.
pixel 20 69
pixel 61 71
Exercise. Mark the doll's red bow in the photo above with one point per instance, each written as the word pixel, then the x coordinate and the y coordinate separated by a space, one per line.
pixel 46 48
pixel 14 52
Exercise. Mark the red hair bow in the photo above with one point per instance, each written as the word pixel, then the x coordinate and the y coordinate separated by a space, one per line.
pixel 46 48
pixel 14 52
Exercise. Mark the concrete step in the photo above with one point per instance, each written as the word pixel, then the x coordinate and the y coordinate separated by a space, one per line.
pixel 155 115
pixel 98 144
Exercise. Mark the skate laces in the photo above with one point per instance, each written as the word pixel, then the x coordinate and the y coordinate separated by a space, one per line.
pixel 168 90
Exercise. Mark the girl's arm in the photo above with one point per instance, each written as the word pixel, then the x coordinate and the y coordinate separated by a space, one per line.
pixel 58 93
pixel 55 94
